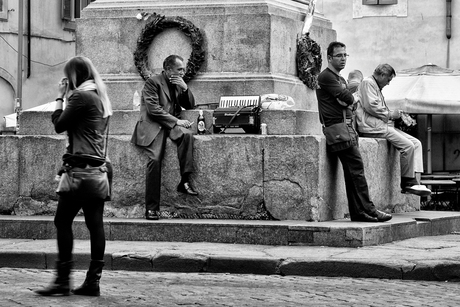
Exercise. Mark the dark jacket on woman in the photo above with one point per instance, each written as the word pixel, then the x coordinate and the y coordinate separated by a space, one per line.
pixel 83 121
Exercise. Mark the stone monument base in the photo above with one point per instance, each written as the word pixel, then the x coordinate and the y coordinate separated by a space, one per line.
pixel 285 177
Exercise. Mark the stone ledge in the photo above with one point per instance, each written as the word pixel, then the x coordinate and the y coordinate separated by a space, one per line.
pixel 237 176
pixel 279 122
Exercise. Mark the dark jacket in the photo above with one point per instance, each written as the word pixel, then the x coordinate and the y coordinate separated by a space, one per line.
pixel 330 88
pixel 83 121
pixel 155 112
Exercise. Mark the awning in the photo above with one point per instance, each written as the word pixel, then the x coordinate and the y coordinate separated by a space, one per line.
pixel 428 89
pixel 10 119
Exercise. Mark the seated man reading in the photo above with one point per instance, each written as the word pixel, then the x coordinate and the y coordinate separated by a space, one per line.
pixel 375 119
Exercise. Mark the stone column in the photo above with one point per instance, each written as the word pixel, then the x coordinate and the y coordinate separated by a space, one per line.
pixel 250 45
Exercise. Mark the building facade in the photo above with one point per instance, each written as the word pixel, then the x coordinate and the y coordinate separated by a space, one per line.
pixel 48 31
pixel 406 34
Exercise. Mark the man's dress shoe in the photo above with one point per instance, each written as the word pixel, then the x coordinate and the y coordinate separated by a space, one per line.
pixel 186 188
pixel 151 215
pixel 382 216
pixel 365 218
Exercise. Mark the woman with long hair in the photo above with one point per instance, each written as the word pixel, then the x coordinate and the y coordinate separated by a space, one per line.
pixel 85 119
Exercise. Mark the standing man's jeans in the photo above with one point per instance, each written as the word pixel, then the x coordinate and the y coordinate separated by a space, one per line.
pixel 355 183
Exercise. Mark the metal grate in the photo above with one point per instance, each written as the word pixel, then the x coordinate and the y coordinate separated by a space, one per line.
pixel 238 101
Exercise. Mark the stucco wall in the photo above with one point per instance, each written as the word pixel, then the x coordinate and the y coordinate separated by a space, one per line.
pixel 402 41
pixel 50 47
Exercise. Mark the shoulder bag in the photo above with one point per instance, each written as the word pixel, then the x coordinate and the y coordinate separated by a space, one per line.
pixel 337 133
pixel 89 181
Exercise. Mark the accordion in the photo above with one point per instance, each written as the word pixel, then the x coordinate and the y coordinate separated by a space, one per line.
pixel 237 112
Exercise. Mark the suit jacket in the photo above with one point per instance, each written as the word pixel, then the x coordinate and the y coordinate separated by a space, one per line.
pixel 155 112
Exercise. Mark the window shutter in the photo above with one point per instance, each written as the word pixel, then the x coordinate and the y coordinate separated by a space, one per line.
pixel 379 2
pixel 78 8
pixel 67 9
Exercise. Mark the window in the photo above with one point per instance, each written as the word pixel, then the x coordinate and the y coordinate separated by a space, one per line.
pixel 397 8
pixel 3 10
pixel 379 2
pixel 71 8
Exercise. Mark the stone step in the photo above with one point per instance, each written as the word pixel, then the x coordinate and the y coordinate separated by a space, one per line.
pixel 337 233
pixel 279 122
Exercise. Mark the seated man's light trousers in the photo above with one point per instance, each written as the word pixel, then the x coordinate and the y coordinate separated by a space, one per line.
pixel 410 149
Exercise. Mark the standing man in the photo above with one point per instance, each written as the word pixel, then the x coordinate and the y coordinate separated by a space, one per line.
pixel 375 119
pixel 163 96
pixel 332 92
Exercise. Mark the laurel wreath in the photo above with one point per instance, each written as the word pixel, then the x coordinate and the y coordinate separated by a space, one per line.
pixel 155 25
pixel 309 60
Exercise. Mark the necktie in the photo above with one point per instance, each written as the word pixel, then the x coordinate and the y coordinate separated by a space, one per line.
pixel 172 94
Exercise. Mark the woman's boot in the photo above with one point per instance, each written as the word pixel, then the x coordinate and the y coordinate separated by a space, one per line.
pixel 61 285
pixel 90 286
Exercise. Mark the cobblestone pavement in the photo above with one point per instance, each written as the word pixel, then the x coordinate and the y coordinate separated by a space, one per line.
pixel 128 288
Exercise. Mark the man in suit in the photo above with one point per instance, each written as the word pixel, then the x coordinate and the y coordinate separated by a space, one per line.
pixel 163 96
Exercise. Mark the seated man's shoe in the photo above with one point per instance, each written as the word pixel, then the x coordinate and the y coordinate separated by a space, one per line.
pixel 186 188
pixel 152 215
pixel 407 182
pixel 365 218
pixel 382 216
pixel 417 189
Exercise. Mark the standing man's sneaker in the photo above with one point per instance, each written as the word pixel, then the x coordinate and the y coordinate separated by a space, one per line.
pixel 417 189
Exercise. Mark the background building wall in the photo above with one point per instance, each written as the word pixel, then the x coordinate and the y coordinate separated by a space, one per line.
pixel 46 47
pixel 409 34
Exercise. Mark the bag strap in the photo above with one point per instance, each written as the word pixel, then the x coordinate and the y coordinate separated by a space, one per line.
pixel 106 137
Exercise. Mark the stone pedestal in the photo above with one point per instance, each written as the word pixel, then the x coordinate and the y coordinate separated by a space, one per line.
pixel 250 46
pixel 288 177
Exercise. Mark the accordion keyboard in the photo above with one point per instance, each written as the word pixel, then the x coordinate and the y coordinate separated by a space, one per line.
pixel 238 101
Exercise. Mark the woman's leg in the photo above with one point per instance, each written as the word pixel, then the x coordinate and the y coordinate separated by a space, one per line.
pixel 94 210
pixel 67 209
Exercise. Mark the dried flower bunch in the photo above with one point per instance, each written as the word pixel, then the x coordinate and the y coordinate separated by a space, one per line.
pixel 309 60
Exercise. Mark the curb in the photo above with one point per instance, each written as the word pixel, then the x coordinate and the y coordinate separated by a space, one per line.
pixel 431 270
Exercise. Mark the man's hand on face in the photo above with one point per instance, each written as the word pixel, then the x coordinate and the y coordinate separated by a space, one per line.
pixel 177 80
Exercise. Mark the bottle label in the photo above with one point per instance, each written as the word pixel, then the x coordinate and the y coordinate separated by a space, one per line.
pixel 201 127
